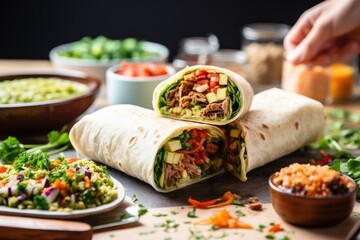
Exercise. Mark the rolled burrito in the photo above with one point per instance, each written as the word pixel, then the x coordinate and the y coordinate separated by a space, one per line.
pixel 165 153
pixel 205 94
pixel 278 123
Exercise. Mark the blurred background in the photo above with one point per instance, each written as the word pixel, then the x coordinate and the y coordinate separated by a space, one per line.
pixel 31 28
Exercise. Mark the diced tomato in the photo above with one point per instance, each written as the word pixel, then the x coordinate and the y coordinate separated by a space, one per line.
pixel 142 69
pixel 215 89
pixel 214 77
pixel 213 84
pixel 203 81
pixel 3 169
pixel 200 72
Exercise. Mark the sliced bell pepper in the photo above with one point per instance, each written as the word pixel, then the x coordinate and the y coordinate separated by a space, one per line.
pixel 199 204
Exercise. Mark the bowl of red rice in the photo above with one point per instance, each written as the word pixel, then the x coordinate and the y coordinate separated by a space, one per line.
pixel 312 195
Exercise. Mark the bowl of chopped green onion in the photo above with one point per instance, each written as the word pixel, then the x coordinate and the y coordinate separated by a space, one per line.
pixel 95 55
pixel 34 102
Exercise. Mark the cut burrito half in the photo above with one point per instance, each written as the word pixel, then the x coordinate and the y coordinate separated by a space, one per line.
pixel 278 123
pixel 165 153
pixel 205 94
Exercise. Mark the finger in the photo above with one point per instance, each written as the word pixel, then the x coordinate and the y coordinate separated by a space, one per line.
pixel 311 46
pixel 346 52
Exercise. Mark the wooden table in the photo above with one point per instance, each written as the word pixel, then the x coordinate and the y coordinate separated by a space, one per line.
pixel 256 185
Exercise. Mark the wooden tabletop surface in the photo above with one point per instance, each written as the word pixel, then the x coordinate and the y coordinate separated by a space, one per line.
pixel 256 185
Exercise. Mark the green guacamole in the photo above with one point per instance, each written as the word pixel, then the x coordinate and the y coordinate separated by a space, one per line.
pixel 29 90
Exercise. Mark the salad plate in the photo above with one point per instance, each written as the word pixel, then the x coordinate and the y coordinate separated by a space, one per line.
pixel 68 215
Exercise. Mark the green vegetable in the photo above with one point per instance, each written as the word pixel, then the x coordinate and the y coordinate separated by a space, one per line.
pixel 105 49
pixel 192 213
pixel 10 148
pixel 142 210
pixel 344 115
pixel 350 168
pixel 36 161
pixel 40 202
pixel 235 97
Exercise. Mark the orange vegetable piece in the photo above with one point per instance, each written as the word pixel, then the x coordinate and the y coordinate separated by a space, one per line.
pixel 223 219
pixel 199 204
pixel 228 198
pixel 72 160
pixel 87 182
pixel 275 228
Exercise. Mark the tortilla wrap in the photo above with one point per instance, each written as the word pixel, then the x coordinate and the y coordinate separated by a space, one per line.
pixel 278 123
pixel 135 140
pixel 204 94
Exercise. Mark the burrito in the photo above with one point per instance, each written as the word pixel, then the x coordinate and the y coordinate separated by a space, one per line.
pixel 205 94
pixel 165 153
pixel 278 123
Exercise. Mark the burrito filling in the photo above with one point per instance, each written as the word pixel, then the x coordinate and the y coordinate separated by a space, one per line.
pixel 201 94
pixel 236 158
pixel 192 155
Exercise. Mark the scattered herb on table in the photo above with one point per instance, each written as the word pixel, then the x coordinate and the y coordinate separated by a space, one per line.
pixel 261 227
pixel 142 210
pixel 239 213
pixel 159 215
pixel 168 225
pixel 174 212
pixel 192 213
pixel 134 198
pixel 270 236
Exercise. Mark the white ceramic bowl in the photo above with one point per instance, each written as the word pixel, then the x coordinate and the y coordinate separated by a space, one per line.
pixel 97 68
pixel 121 89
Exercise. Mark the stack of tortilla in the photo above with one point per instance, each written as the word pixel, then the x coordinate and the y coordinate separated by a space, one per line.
pixel 269 125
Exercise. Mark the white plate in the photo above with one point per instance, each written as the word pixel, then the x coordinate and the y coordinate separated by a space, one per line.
pixel 67 215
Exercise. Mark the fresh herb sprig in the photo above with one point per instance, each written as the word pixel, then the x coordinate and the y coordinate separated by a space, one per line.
pixel 11 147
pixel 350 168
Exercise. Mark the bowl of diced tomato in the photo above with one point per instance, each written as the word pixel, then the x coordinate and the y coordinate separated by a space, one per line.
pixel 134 83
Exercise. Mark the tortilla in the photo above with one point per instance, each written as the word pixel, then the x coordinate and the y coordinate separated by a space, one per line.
pixel 278 123
pixel 204 94
pixel 135 141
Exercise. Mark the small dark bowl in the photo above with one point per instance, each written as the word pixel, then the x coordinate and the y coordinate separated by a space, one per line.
pixel 311 211
pixel 41 117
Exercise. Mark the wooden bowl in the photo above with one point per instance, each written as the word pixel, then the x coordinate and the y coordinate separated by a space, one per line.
pixel 41 117
pixel 311 211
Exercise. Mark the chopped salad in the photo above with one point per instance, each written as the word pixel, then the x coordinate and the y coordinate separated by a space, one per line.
pixel 34 181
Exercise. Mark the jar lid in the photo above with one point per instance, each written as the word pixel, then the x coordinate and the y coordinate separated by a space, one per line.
pixel 265 31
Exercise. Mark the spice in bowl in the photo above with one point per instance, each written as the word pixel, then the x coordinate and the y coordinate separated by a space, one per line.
pixel 312 181
pixel 314 196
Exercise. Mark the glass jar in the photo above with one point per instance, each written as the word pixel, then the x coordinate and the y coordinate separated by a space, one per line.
pixel 327 84
pixel 263 44
pixel 195 50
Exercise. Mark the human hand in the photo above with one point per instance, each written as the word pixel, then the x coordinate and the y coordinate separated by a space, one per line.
pixel 326 33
